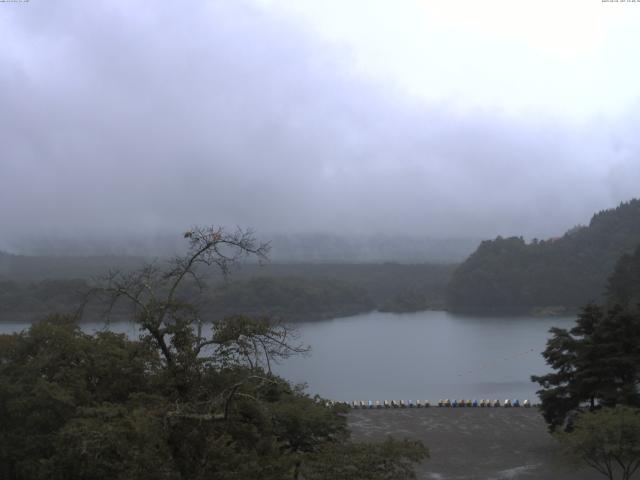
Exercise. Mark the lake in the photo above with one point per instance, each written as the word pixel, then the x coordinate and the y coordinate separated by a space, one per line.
pixel 425 355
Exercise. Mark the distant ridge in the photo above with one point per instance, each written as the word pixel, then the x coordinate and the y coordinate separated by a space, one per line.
pixel 564 272
pixel 285 248
pixel 35 268
pixel 326 248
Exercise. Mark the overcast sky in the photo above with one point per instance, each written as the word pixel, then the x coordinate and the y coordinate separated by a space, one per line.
pixel 466 118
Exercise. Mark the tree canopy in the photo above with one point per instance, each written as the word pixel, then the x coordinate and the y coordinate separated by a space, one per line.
pixel 187 400
pixel 607 440
pixel 624 283
pixel 597 362
pixel 290 292
pixel 569 271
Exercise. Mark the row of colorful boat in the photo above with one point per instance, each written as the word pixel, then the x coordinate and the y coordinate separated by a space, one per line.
pixel 484 403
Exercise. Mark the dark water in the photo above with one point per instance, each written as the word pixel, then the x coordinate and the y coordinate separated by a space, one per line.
pixel 425 355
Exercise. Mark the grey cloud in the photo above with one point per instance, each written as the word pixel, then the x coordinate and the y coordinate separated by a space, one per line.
pixel 150 117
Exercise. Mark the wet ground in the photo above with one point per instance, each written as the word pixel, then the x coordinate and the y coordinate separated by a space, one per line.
pixel 473 443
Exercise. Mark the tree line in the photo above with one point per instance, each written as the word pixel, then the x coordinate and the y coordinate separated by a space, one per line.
pixel 290 292
pixel 190 399
pixel 570 271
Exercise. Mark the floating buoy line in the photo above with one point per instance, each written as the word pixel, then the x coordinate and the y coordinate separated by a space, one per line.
pixel 446 403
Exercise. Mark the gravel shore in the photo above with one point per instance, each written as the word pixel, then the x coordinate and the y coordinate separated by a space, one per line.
pixel 473 443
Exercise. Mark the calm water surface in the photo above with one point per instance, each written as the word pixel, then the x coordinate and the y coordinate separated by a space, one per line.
pixel 425 355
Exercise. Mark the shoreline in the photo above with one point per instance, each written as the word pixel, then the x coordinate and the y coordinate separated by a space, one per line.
pixel 472 443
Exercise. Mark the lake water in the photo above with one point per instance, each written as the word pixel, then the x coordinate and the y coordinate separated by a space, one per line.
pixel 425 355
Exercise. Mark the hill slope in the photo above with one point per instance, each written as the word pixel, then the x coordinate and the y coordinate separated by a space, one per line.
pixel 624 284
pixel 508 273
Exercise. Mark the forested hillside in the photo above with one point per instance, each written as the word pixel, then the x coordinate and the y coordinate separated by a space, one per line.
pixel 597 362
pixel 291 292
pixel 289 298
pixel 624 284
pixel 29 268
pixel 508 273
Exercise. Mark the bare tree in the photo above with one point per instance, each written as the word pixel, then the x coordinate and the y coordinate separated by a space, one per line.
pixel 175 326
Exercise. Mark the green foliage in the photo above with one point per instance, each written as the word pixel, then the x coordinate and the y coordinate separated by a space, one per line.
pixel 290 298
pixel 597 362
pixel 624 283
pixel 52 373
pixel 412 301
pixel 75 406
pixel 607 440
pixel 42 297
pixel 295 292
pixel 112 442
pixel 570 271
pixel 185 401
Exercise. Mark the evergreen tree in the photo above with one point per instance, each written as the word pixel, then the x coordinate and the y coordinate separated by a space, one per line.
pixel 624 283
pixel 597 362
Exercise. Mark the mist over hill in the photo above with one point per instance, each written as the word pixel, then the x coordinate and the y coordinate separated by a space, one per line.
pixel 298 248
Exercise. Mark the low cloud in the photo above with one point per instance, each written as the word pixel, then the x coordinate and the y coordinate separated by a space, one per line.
pixel 134 118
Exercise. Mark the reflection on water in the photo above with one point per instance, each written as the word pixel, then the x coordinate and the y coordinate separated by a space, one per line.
pixel 425 355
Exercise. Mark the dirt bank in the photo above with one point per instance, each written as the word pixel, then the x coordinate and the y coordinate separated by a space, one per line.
pixel 473 443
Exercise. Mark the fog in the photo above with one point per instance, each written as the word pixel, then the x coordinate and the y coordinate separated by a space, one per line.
pixel 136 118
